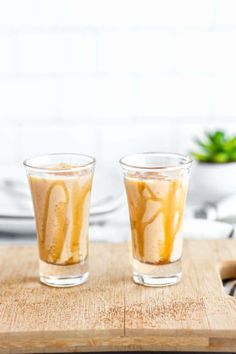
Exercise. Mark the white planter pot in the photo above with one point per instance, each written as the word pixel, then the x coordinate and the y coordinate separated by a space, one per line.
pixel 212 182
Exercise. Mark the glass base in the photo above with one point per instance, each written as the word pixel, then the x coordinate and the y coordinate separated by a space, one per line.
pixel 63 275
pixel 157 275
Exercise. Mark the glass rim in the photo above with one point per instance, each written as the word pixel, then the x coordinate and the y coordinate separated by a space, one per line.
pixel 27 163
pixel 187 161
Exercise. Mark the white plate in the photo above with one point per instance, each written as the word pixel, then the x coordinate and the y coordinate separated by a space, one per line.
pixel 15 199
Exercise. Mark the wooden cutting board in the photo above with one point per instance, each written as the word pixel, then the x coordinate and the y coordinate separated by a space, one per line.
pixel 110 312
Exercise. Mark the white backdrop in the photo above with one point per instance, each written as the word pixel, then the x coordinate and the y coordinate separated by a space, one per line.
pixel 109 77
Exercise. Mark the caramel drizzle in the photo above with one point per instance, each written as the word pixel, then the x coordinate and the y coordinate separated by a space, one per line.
pixel 137 213
pixel 52 254
pixel 78 212
pixel 51 243
pixel 169 207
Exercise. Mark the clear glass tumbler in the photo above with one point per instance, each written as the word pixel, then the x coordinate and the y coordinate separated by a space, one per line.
pixel 61 186
pixel 156 187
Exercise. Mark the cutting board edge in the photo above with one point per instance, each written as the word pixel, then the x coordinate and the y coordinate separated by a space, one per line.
pixel 120 344
pixel 59 341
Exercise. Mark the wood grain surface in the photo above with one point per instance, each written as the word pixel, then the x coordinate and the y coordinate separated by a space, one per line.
pixel 110 312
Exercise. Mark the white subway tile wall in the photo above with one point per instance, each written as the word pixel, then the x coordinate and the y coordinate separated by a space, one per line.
pixel 109 77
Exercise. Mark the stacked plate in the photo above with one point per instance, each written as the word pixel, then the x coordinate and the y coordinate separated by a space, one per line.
pixel 16 211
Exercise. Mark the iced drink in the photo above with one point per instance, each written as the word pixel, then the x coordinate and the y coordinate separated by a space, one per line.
pixel 61 198
pixel 156 201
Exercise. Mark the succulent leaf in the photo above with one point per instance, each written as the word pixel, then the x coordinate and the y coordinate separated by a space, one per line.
pixel 216 147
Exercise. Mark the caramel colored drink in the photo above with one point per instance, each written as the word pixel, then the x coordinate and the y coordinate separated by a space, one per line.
pixel 156 209
pixel 156 196
pixel 61 198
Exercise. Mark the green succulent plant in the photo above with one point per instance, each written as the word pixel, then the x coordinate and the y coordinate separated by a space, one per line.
pixel 216 147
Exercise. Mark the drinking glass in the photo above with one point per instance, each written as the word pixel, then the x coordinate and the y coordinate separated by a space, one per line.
pixel 156 186
pixel 60 187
